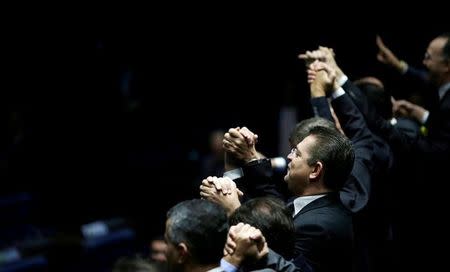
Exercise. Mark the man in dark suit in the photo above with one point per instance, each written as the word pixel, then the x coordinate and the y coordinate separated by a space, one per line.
pixel 320 164
pixel 436 144
pixel 429 152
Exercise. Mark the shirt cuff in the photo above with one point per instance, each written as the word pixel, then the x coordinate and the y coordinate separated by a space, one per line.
pixel 425 117
pixel 227 267
pixel 341 81
pixel 339 92
pixel 234 174
pixel 393 121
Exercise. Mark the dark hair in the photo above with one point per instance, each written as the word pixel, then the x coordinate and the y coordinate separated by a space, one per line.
pixel 200 224
pixel 271 217
pixel 336 153
pixel 379 100
pixel 303 128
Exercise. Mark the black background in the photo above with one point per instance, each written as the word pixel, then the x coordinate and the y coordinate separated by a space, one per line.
pixel 88 153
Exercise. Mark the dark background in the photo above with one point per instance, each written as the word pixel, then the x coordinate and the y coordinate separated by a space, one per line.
pixel 113 117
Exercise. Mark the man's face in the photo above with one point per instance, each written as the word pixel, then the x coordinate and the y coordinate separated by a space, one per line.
pixel 299 170
pixel 435 62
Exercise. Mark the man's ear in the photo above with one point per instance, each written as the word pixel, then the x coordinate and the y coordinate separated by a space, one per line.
pixel 317 171
pixel 183 253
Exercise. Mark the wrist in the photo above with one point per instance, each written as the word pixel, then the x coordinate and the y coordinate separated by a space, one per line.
pixel 421 115
pixel 317 91
pixel 232 207
pixel 339 75
pixel 253 156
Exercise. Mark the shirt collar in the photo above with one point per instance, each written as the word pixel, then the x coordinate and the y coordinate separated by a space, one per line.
pixel 302 201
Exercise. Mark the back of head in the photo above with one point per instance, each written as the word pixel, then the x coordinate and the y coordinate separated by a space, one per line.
pixel 271 217
pixel 201 225
pixel 215 142
pixel 379 99
pixel 303 128
pixel 336 153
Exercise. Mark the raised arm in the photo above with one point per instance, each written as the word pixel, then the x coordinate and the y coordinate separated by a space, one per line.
pixel 356 191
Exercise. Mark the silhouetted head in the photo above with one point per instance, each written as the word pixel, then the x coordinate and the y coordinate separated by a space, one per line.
pixel 378 98
pixel 270 216
pixel 196 232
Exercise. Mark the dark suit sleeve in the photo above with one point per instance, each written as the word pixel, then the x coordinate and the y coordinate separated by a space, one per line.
pixel 356 191
pixel 417 74
pixel 257 180
pixel 278 263
pixel 399 140
pixel 321 108
pixel 359 98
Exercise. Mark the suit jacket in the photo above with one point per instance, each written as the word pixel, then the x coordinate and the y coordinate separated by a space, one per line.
pixel 278 263
pixel 323 228
pixel 324 234
pixel 258 181
pixel 428 160
pixel 324 239
pixel 434 147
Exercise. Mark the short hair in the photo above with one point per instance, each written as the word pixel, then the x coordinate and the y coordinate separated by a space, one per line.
pixel 379 99
pixel 303 128
pixel 200 224
pixel 271 217
pixel 336 153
